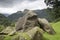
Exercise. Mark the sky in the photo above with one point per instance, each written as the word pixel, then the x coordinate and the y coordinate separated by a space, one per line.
pixel 11 6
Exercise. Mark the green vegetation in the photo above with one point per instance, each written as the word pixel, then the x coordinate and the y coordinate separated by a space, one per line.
pixel 56 27
pixel 1 27
pixel 55 14
pixel 55 11
pixel 17 36
pixel 4 20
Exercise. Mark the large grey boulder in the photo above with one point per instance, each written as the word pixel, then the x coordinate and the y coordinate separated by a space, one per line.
pixel 30 20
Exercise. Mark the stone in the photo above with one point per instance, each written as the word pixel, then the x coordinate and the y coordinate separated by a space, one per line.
pixel 7 30
pixel 31 20
pixel 44 24
pixel 28 21
pixel 35 34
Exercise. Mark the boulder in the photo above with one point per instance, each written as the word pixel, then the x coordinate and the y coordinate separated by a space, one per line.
pixel 45 25
pixel 27 21
pixel 31 20
pixel 35 34
pixel 7 31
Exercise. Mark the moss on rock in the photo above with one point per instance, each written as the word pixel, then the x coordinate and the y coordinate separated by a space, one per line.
pixel 33 34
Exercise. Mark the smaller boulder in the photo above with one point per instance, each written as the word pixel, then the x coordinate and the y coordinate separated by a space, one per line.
pixel 2 37
pixel 45 25
pixel 35 34
pixel 7 30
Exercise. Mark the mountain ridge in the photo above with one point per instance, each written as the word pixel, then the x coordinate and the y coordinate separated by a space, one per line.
pixel 41 14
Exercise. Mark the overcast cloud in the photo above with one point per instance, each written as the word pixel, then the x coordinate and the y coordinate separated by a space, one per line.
pixel 11 6
pixel 10 3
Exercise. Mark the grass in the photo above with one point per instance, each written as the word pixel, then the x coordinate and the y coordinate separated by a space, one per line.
pixel 56 27
pixel 17 36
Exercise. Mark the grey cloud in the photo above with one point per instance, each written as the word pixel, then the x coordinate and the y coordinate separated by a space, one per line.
pixel 5 3
pixel 32 0
pixel 10 3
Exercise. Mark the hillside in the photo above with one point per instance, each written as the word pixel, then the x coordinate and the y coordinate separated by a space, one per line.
pixel 4 20
pixel 15 16
pixel 2 16
pixel 6 14
pixel 56 27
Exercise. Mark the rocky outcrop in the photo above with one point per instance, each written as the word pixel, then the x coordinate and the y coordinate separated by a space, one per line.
pixel 30 20
pixel 29 27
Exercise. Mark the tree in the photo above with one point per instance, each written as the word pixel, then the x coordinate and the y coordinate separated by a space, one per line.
pixel 56 7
